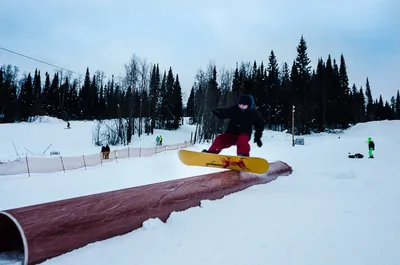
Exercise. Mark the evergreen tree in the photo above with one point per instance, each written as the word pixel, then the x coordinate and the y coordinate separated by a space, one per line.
pixel 153 97
pixel 336 96
pixel 370 104
pixel 302 64
pixel 177 104
pixel 169 85
pixel 211 99
pixel 37 94
pixel 362 105
pixel 164 113
pixel 319 97
pixel 25 99
pixel 236 87
pixel 190 105
pixel 46 95
pixel 273 84
pixel 93 98
pixel 54 98
pixel 72 106
pixel 380 109
pixel 85 96
pixel 286 97
pixel 344 95
pixel 397 105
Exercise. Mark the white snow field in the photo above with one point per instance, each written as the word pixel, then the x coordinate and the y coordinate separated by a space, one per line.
pixel 330 210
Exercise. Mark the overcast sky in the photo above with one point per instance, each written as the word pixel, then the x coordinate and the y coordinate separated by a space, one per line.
pixel 186 35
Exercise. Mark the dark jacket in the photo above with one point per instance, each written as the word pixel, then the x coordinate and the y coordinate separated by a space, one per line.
pixel 371 145
pixel 242 121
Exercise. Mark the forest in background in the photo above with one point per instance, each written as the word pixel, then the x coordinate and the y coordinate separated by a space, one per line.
pixel 323 99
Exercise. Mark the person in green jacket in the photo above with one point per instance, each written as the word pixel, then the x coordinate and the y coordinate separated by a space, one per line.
pixel 371 147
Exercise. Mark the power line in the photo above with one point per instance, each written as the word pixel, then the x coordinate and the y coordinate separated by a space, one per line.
pixel 26 56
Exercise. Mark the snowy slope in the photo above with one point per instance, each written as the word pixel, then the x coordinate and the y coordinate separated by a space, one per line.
pixel 331 210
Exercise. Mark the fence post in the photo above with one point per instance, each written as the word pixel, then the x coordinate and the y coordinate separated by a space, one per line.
pixel 140 152
pixel 62 163
pixel 116 158
pixel 84 162
pixel 27 166
pixel 129 156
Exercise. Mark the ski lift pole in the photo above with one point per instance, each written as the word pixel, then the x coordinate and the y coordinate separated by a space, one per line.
pixel 293 111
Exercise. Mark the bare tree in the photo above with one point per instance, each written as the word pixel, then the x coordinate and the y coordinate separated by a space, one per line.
pixel 130 82
pixel 225 84
pixel 112 132
pixel 100 76
pixel 143 84
pixel 200 86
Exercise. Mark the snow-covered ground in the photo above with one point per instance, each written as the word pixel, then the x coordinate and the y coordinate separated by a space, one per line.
pixel 34 138
pixel 330 210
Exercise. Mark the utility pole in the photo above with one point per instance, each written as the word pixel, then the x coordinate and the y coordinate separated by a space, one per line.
pixel 293 110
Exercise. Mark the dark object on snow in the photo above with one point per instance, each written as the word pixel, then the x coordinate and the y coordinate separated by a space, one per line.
pixel 358 155
pixel 299 141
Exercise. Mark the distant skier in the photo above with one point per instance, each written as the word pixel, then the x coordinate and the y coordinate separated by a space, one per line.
pixel 371 147
pixel 243 116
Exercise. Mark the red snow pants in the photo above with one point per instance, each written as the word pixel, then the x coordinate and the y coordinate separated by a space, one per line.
pixel 226 140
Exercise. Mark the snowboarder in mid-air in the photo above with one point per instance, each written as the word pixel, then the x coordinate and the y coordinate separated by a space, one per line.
pixel 243 116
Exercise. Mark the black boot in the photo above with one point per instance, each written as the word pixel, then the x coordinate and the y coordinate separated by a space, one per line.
pixel 206 151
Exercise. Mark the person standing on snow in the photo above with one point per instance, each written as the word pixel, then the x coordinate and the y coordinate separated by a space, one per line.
pixel 243 116
pixel 371 147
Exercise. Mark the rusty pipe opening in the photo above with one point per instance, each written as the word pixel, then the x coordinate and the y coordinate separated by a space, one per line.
pixel 12 239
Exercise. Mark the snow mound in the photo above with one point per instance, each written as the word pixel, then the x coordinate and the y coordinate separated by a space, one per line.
pixel 45 119
pixel 373 128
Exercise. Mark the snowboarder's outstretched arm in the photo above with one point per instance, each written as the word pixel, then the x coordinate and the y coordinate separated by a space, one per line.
pixel 223 113
pixel 258 123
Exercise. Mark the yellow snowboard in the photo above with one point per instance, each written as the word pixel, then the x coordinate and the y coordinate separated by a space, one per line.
pixel 255 165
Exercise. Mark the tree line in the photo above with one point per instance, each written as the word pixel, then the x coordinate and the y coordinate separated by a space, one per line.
pixel 146 94
pixel 321 98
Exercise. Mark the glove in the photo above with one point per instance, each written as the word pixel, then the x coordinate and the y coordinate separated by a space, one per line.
pixel 257 139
